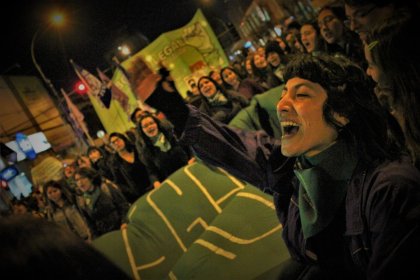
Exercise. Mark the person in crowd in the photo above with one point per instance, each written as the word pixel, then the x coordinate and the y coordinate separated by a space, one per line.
pixel 24 206
pixel 139 113
pixel 39 202
pixel 69 167
pixel 20 207
pixel 39 249
pixel 105 207
pixel 162 153
pixel 245 87
pixel 83 161
pixel 238 65
pixel 283 44
pixel 394 64
pixel 363 15
pixel 348 203
pixel 64 210
pixel 215 75
pixel 221 105
pixel 193 94
pixel 263 74
pixel 100 161
pixel 248 66
pixel 340 40
pixel 276 58
pixel 136 114
pixel 312 39
pixel 292 37
pixel 128 170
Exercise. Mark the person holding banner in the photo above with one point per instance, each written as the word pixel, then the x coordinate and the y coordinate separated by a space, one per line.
pixel 348 202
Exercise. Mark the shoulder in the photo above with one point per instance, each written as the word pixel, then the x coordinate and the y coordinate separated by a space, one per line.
pixel 398 173
pixel 387 193
pixel 392 191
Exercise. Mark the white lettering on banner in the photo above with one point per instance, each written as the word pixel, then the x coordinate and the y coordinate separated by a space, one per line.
pixel 170 49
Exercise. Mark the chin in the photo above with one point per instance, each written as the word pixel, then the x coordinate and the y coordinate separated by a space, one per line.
pixel 288 153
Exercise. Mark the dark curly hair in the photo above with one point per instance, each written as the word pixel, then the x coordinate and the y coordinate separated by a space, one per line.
pixel 350 94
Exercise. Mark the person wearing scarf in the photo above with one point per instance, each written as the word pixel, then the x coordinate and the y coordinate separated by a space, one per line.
pixel 219 104
pixel 348 202
pixel 161 153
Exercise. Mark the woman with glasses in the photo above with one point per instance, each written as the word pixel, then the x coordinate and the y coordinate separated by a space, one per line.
pixel 363 15
pixel 105 207
pixel 128 169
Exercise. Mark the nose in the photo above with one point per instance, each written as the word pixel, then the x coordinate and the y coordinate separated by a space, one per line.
pixel 353 25
pixel 283 106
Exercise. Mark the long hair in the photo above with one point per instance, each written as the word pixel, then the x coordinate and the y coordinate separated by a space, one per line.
pixel 162 129
pixel 350 94
pixel 218 87
pixel 397 55
pixel 225 83
pixel 65 193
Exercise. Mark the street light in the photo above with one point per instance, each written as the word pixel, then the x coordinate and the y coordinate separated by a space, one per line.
pixel 57 19
pixel 125 50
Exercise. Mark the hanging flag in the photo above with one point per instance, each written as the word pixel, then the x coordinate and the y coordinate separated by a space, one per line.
pixel 77 117
pixel 106 90
pixel 94 85
pixel 117 88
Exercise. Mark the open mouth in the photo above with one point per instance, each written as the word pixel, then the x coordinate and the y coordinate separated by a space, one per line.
pixel 289 128
pixel 151 131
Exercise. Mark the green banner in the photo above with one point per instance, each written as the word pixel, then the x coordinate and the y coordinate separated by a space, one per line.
pixel 189 52
pixel 202 223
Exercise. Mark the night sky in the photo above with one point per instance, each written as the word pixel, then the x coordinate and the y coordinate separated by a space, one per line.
pixel 93 27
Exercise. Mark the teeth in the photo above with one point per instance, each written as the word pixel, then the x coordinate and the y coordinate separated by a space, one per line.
pixel 288 123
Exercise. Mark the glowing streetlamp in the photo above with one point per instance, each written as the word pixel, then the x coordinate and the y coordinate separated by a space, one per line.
pixel 125 50
pixel 57 19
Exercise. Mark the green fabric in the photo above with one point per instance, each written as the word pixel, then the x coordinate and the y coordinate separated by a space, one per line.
pixel 91 197
pixel 323 186
pixel 248 118
pixel 200 224
pixel 162 143
pixel 217 99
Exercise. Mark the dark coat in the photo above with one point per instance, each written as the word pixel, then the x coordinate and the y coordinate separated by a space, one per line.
pixel 108 212
pixel 162 164
pixel 375 234
pixel 224 113
pixel 132 178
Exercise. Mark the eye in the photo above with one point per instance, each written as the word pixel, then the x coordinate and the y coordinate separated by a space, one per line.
pixel 302 95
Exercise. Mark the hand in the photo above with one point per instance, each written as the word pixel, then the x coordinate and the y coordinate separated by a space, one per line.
pixel 147 86
pixel 192 160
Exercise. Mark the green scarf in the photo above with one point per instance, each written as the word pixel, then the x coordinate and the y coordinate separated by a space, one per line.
pixel 217 99
pixel 162 143
pixel 91 197
pixel 323 186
